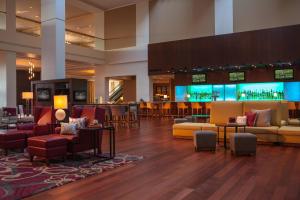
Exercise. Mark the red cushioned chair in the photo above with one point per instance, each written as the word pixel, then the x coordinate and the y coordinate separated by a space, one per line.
pixel 84 141
pixel 43 116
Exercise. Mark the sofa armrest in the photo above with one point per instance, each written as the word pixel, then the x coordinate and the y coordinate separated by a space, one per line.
pixel 293 122
pixel 28 126
pixel 57 130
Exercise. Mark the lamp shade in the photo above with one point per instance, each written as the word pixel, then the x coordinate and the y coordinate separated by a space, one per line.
pixel 61 102
pixel 27 95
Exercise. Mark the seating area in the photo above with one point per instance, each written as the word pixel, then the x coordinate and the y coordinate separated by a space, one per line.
pixel 43 140
pixel 279 130
pixel 149 99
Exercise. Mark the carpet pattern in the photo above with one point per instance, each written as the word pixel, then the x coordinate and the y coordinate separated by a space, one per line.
pixel 19 178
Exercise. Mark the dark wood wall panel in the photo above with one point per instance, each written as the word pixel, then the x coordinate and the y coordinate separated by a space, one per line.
pixel 253 47
pixel 221 77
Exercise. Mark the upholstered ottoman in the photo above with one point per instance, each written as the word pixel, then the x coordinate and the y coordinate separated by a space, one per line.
pixel 12 139
pixel 205 140
pixel 243 143
pixel 47 146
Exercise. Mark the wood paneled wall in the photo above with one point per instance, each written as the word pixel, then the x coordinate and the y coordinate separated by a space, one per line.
pixel 222 77
pixel 252 47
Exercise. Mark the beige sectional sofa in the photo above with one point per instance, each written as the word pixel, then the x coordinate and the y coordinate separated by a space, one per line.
pixel 279 131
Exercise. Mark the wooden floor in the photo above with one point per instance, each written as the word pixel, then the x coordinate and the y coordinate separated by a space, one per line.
pixel 172 170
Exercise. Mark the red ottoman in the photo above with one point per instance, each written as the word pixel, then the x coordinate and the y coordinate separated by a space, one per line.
pixel 12 139
pixel 47 146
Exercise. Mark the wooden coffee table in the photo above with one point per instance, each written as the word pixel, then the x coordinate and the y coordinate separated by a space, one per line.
pixel 235 125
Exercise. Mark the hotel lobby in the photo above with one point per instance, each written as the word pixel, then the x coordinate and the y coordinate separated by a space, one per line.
pixel 149 99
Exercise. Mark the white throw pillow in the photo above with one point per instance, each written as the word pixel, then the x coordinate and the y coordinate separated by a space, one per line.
pixel 80 122
pixel 68 129
pixel 241 120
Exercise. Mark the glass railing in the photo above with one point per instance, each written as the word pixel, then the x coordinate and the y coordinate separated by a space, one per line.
pixel 31 27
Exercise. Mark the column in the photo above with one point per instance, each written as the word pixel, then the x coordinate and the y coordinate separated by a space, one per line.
pixel 142 23
pixel 8 96
pixel 11 16
pixel 53 39
pixel 99 30
pixel 223 17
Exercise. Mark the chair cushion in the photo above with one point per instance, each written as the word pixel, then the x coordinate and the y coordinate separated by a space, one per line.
pixel 76 112
pixel 251 118
pixel 80 122
pixel 192 126
pixel 89 113
pixel 262 130
pixel 68 129
pixel 289 130
pixel 222 111
pixel 275 106
pixel 47 141
pixel 45 117
pixel 11 135
pixel 263 118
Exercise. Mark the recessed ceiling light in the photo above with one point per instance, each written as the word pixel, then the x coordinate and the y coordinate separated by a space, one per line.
pixel 30 7
pixel 36 16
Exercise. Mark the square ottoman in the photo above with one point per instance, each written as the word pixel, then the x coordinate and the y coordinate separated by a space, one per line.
pixel 243 143
pixel 47 147
pixel 205 140
pixel 12 139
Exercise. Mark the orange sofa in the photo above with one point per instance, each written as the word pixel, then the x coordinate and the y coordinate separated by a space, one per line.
pixel 279 131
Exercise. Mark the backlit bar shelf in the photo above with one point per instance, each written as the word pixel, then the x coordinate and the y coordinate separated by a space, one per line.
pixel 272 91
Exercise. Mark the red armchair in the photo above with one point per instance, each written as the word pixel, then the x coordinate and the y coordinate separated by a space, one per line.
pixel 83 140
pixel 43 116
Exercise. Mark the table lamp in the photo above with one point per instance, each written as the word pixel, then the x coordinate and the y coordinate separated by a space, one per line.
pixel 60 103
pixel 27 96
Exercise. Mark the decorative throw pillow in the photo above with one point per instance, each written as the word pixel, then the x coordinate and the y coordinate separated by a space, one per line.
pixel 68 129
pixel 263 117
pixel 241 120
pixel 251 118
pixel 80 122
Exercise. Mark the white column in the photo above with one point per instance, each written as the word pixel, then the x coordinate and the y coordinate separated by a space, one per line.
pixel 8 96
pixel 99 30
pixel 11 16
pixel 142 23
pixel 53 39
pixel 223 17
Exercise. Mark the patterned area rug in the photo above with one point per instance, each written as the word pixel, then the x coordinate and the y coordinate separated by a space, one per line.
pixel 19 178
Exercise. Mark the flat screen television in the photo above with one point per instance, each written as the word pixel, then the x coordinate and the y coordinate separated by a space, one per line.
pixel 198 78
pixel 236 76
pixel 44 94
pixel 80 95
pixel 284 74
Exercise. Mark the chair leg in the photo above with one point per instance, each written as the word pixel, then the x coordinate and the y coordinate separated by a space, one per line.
pixel 31 158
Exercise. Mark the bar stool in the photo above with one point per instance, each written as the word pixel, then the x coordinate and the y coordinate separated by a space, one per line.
pixel 181 107
pixel 166 109
pixel 196 106
pixel 292 109
pixel 207 108
pixel 119 116
pixel 143 109
pixel 149 109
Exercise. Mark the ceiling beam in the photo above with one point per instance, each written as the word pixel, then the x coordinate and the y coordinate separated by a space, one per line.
pixel 84 6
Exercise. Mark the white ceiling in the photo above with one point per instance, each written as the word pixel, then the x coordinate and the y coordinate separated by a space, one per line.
pixel 110 4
